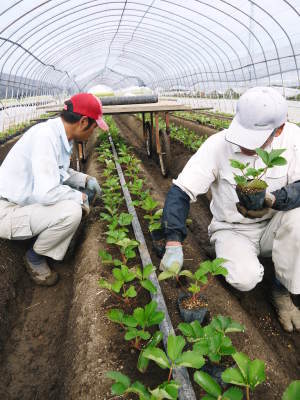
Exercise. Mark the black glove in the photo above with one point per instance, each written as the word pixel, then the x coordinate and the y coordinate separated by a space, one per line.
pixel 252 214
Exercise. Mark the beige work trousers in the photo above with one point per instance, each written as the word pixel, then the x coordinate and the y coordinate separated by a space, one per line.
pixel 54 225
pixel 240 245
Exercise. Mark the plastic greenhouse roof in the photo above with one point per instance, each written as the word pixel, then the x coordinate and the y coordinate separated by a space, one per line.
pixel 210 45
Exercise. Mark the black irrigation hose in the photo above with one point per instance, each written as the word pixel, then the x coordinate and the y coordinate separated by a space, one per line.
pixel 186 391
pixel 124 100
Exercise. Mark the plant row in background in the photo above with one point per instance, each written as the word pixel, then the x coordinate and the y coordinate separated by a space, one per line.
pixel 198 345
pixel 17 128
pixel 203 119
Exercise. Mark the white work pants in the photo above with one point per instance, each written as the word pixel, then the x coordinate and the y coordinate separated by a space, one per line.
pixel 240 245
pixel 54 225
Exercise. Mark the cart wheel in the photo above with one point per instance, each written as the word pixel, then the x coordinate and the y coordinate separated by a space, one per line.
pixel 148 138
pixel 165 156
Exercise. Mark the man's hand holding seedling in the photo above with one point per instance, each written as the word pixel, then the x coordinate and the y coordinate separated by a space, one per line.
pixel 252 214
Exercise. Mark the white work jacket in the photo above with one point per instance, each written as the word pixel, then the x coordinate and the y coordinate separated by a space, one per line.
pixel 36 170
pixel 209 168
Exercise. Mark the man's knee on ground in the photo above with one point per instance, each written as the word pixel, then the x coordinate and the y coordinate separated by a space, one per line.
pixel 72 211
pixel 244 277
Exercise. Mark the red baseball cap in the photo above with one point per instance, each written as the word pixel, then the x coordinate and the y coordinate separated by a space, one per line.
pixel 88 105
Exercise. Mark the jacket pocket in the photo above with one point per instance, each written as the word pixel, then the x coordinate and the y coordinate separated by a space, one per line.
pixel 20 225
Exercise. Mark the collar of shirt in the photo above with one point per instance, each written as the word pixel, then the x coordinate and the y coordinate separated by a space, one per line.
pixel 59 127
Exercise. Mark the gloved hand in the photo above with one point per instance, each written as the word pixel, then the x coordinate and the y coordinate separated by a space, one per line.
pixel 173 257
pixel 93 188
pixel 268 203
pixel 85 205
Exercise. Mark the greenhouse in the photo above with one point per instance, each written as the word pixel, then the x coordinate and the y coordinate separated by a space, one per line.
pixel 149 200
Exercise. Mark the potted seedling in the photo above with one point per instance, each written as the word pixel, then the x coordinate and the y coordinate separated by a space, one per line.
pixel 122 385
pixel 194 306
pixel 251 188
pixel 137 325
pixel 247 374
pixel 212 342
pixel 121 283
pixel 175 356
pixel 213 389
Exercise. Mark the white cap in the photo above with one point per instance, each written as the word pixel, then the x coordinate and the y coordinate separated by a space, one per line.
pixel 259 111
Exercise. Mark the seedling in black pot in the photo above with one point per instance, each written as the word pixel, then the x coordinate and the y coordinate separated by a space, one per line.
pixel 251 188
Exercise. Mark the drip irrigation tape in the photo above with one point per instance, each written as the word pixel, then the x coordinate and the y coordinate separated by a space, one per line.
pixel 186 392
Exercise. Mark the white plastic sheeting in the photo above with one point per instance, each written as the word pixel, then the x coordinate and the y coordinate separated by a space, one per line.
pixel 191 48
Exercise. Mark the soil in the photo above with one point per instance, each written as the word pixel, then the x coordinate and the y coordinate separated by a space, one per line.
pixel 250 190
pixel 57 343
pixel 193 303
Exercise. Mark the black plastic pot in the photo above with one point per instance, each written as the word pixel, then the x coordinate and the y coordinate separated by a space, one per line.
pixel 198 314
pixel 158 246
pixel 215 371
pixel 253 201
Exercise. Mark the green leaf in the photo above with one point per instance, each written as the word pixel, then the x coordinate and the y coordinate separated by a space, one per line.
pixel 292 391
pixel 167 390
pixel 118 389
pixel 233 376
pixel 264 155
pixel 129 321
pixel 154 226
pixel 226 325
pixel 143 362
pixel 279 161
pixel 116 286
pixel 139 389
pixel 104 284
pixel 275 153
pixel 116 315
pixel 105 256
pixel 256 373
pixel 166 275
pixel 186 273
pixel 158 356
pixel 148 285
pixel 131 292
pixel 207 383
pixel 252 172
pixel 233 393
pixel 122 382
pixel 237 164
pixel 175 346
pixel 131 334
pixel 240 180
pixel 243 362
pixel 147 271
pixel 125 219
pixel 186 329
pixel 190 359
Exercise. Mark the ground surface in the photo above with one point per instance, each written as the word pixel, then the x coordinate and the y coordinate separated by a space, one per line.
pixel 56 343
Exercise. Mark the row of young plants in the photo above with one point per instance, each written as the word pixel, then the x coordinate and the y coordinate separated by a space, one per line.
pixel 18 128
pixel 208 120
pixel 14 129
pixel 198 345
pixel 185 136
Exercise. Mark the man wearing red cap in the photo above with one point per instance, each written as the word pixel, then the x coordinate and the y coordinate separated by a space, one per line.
pixel 40 196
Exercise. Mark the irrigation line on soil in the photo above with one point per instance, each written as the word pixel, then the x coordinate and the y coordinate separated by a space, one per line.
pixel 186 391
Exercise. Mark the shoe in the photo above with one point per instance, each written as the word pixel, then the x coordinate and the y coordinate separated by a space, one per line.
pixel 288 313
pixel 40 273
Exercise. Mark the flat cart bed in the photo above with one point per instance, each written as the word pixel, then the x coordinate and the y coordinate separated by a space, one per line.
pixel 161 144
